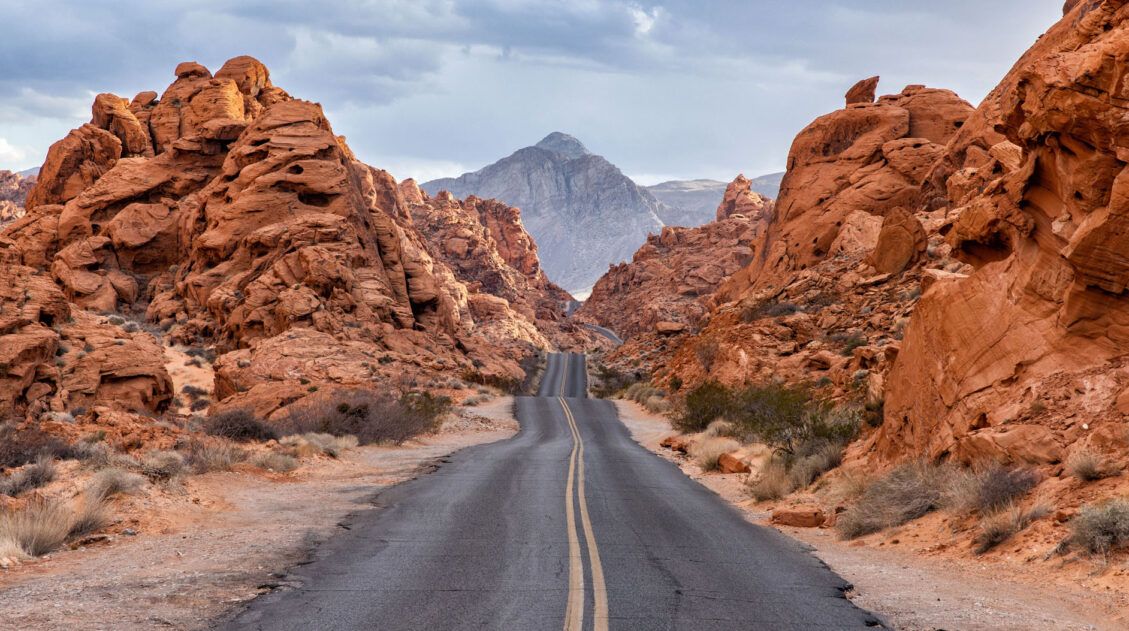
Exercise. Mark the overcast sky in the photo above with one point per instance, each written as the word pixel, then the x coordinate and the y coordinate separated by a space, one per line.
pixel 429 88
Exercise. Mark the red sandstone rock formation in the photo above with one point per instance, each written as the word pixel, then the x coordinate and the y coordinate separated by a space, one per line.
pixel 863 91
pixel 229 213
pixel 1024 358
pixel 666 287
pixel 835 273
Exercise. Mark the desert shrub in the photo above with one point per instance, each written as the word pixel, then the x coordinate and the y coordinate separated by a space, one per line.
pixel 768 309
pixel 199 405
pixel 709 449
pixel 216 456
pixel 1087 466
pixel 475 400
pixel 611 381
pixel 1102 528
pixel 706 352
pixel 101 455
pixel 315 444
pixel 788 417
pixel 21 446
pixel 675 383
pixel 32 476
pixel 1005 524
pixel 163 466
pixel 192 391
pixel 720 427
pixel 851 342
pixel 904 494
pixel 704 405
pixel 772 484
pixel 370 416
pixel 986 490
pixel 274 461
pixel 110 482
pixel 239 425
pixel 657 405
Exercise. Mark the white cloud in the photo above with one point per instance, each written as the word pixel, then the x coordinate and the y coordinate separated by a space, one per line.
pixel 11 155
pixel 644 20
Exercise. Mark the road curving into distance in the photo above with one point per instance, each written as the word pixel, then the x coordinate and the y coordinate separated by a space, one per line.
pixel 569 525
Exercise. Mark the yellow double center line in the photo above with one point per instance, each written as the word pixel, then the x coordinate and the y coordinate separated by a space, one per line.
pixel 574 612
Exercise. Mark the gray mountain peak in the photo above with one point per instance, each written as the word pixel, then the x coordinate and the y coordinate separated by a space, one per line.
pixel 563 144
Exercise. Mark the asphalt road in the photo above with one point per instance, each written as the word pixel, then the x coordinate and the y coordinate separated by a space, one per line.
pixel 569 525
pixel 608 333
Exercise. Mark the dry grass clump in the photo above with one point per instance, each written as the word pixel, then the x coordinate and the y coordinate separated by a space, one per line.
pixel 904 494
pixel 43 526
pixel 274 461
pixel 37 529
pixel 91 515
pixel 316 444
pixel 650 397
pixel 215 456
pixel 239 425
pixel 720 428
pixel 110 482
pixel 988 490
pixel 1005 524
pixel 1101 528
pixel 1088 466
pixel 476 400
pixel 708 450
pixel 99 455
pixel 33 476
pixel 773 483
pixel 818 459
pixel 163 466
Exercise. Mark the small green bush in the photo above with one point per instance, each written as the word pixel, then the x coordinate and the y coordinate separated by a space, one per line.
pixel 704 405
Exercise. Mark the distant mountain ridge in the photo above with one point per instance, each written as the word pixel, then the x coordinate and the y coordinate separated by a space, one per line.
pixel 583 212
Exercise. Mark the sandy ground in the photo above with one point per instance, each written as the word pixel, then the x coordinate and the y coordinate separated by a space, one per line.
pixel 222 539
pixel 913 592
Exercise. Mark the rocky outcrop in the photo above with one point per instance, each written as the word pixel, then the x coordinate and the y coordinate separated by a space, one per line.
pixel 13 195
pixel 226 213
pixel 580 208
pixel 1023 356
pixel 667 285
pixel 863 91
pixel 836 270
pixel 844 170
pixel 510 299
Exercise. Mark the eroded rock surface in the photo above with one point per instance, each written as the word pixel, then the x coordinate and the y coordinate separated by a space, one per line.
pixel 225 213
pixel 667 286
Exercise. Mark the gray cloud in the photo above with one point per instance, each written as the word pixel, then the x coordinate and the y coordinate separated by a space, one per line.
pixel 427 87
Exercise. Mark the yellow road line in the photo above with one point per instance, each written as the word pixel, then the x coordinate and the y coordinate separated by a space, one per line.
pixel 564 376
pixel 574 613
pixel 599 589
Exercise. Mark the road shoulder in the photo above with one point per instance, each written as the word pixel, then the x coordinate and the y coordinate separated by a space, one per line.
pixel 912 592
pixel 224 539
